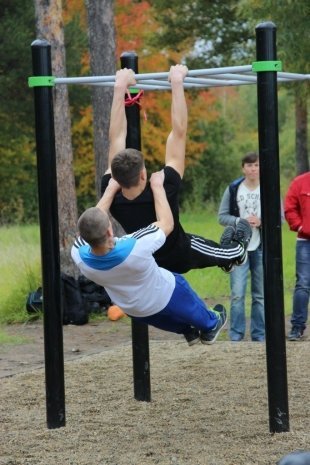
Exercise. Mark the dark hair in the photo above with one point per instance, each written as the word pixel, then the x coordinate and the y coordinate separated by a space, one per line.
pixel 93 225
pixel 126 167
pixel 250 157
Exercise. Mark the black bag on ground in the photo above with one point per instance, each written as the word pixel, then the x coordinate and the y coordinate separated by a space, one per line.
pixel 80 297
pixel 95 297
pixel 74 308
pixel 34 302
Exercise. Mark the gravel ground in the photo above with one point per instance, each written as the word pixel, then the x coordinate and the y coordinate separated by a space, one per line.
pixel 209 403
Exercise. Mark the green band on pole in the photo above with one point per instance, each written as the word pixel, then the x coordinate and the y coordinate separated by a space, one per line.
pixel 260 66
pixel 41 81
pixel 133 90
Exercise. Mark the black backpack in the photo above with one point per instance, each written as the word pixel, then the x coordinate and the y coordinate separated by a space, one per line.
pixel 95 297
pixel 80 297
pixel 74 308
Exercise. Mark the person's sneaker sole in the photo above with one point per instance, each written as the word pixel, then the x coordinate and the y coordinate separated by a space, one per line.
pixel 193 337
pixel 243 232
pixel 226 239
pixel 296 334
pixel 227 236
pixel 228 269
pixel 193 342
pixel 242 260
pixel 294 338
pixel 216 336
pixel 212 341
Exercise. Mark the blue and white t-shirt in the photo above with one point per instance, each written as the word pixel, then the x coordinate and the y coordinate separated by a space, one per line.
pixel 129 272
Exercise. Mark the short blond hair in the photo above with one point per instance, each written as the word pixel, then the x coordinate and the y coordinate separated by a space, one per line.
pixel 93 225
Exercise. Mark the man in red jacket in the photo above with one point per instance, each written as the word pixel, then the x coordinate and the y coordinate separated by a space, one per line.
pixel 297 214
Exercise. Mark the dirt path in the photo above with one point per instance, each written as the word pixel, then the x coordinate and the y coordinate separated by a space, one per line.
pixel 78 341
pixel 209 403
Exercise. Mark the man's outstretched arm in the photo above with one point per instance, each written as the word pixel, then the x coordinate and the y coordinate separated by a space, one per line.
pixel 108 196
pixel 118 123
pixel 163 212
pixel 176 142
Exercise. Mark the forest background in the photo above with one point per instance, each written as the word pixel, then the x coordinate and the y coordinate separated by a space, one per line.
pixel 222 121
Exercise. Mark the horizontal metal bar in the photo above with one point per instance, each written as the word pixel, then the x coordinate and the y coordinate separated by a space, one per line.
pixel 294 76
pixel 154 86
pixel 220 77
pixel 163 75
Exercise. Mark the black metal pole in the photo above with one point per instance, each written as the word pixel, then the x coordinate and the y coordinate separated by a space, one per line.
pixel 48 217
pixel 271 230
pixel 139 331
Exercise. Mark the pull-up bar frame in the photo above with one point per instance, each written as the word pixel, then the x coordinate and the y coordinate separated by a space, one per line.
pixel 272 248
pixel 225 76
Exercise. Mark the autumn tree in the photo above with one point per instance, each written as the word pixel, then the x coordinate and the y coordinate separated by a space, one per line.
pixel 220 32
pixel 49 25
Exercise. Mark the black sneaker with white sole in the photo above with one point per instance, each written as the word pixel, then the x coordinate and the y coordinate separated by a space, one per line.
pixel 209 337
pixel 228 235
pixel 296 333
pixel 226 239
pixel 192 336
pixel 243 235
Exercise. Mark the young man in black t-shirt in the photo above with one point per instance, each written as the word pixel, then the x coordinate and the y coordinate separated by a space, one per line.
pixel 129 197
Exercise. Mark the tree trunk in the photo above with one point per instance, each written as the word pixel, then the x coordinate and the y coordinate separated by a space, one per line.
pixel 102 62
pixel 49 25
pixel 302 159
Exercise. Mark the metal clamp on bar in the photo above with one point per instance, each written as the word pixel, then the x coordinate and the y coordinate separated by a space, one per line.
pixel 41 81
pixel 133 90
pixel 261 66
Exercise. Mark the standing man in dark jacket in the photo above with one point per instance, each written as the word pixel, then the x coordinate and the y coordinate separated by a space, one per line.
pixel 241 199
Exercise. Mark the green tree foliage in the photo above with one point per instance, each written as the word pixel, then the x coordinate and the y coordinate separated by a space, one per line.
pixel 217 33
pixel 206 33
pixel 17 33
pixel 205 180
pixel 292 22
pixel 210 29
pixel 294 50
pixel 18 172
pixel 77 59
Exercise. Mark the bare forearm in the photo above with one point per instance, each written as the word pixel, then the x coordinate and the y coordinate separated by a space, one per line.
pixel 106 200
pixel 176 141
pixel 163 211
pixel 162 208
pixel 179 114
pixel 118 123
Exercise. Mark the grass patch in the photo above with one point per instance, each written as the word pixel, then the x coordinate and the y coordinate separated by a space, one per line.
pixel 20 263
pixel 8 339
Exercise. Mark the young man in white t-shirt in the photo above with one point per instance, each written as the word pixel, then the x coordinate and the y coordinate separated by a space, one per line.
pixel 241 199
pixel 126 268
